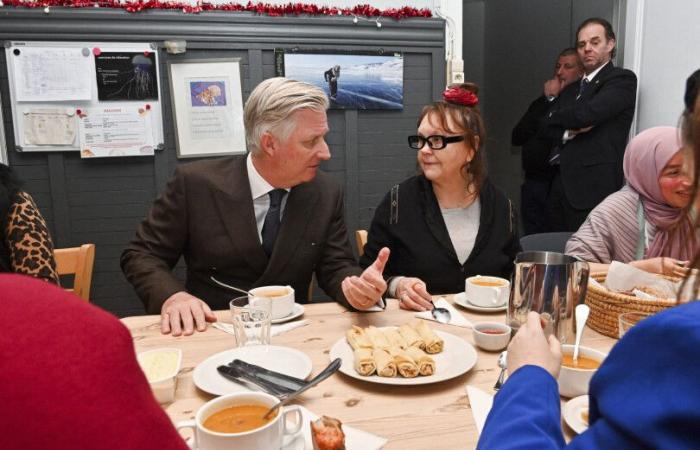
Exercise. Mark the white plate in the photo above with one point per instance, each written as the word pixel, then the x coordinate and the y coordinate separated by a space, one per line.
pixel 297 311
pixel 457 357
pixel 572 413
pixel 461 300
pixel 280 359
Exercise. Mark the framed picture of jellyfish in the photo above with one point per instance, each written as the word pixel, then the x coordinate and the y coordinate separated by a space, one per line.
pixel 351 80
pixel 207 107
pixel 123 76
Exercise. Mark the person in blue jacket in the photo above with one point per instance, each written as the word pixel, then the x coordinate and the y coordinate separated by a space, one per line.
pixel 645 395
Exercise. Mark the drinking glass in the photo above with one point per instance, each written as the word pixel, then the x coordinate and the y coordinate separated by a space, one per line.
pixel 251 320
pixel 629 319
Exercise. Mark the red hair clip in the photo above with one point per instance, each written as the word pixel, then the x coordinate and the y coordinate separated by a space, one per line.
pixel 458 95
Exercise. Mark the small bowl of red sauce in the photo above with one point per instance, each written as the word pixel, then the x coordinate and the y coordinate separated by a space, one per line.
pixel 491 336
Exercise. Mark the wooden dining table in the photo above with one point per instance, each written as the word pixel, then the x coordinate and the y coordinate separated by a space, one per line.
pixel 418 417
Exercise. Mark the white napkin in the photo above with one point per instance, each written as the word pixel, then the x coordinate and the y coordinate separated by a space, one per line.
pixel 456 319
pixel 480 403
pixel 274 330
pixel 623 277
pixel 354 439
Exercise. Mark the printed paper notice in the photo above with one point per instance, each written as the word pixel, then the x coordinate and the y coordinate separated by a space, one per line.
pixel 51 74
pixel 117 131
pixel 49 126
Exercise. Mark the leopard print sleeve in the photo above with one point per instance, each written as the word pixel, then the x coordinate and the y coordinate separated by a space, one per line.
pixel 29 241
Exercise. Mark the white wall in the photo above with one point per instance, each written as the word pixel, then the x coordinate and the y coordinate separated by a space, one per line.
pixel 661 46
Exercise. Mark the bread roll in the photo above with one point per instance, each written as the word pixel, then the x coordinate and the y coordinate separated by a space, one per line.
pixel 376 337
pixel 433 343
pixel 405 365
pixel 364 362
pixel 384 363
pixel 357 338
pixel 411 336
pixel 426 364
pixel 394 337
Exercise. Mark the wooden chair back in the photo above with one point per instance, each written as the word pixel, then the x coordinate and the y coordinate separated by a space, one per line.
pixel 361 239
pixel 78 261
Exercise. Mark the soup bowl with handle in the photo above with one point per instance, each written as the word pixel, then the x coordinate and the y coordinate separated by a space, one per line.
pixel 266 437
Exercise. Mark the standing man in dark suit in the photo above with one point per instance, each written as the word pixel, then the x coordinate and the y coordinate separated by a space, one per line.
pixel 536 147
pixel 267 218
pixel 591 121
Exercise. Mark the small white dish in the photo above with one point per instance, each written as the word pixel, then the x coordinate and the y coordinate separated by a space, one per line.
pixel 280 359
pixel 297 311
pixel 461 300
pixel 161 366
pixel 491 336
pixel 573 413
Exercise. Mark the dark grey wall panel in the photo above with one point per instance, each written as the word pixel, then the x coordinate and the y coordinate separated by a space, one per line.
pixel 103 201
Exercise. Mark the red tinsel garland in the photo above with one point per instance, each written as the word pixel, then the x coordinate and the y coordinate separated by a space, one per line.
pixel 290 9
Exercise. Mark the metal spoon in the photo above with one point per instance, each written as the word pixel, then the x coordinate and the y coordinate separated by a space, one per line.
pixel 227 286
pixel 581 318
pixel 442 315
pixel 325 373
pixel 503 364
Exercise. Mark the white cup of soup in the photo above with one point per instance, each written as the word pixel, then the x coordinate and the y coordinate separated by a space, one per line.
pixel 486 291
pixel 236 421
pixel 282 299
pixel 575 378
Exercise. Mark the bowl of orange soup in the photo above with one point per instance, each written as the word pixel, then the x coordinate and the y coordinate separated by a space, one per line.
pixel 236 421
pixel 575 376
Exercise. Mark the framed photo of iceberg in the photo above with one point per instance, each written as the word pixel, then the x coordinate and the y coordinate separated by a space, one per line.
pixel 351 80
pixel 207 107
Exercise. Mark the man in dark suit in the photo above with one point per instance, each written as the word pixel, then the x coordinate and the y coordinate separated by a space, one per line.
pixel 536 148
pixel 591 121
pixel 267 218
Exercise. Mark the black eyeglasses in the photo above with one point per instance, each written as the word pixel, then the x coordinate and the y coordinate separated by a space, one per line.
pixel 435 142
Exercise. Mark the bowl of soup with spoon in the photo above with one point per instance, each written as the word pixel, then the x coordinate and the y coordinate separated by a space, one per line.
pixel 575 376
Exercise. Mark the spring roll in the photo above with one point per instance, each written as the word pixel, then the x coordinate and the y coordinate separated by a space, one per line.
pixel 384 363
pixel 394 337
pixel 364 362
pixel 405 365
pixel 357 338
pixel 411 337
pixel 376 337
pixel 433 344
pixel 426 364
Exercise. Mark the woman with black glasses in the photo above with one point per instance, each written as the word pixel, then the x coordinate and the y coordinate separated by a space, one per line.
pixel 449 222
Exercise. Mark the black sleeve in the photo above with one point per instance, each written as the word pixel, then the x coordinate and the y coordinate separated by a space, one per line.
pixel 615 95
pixel 529 124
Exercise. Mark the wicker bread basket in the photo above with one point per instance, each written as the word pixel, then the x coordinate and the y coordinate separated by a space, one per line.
pixel 607 306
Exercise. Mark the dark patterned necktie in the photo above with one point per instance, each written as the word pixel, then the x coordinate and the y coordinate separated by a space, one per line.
pixel 271 226
pixel 583 87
